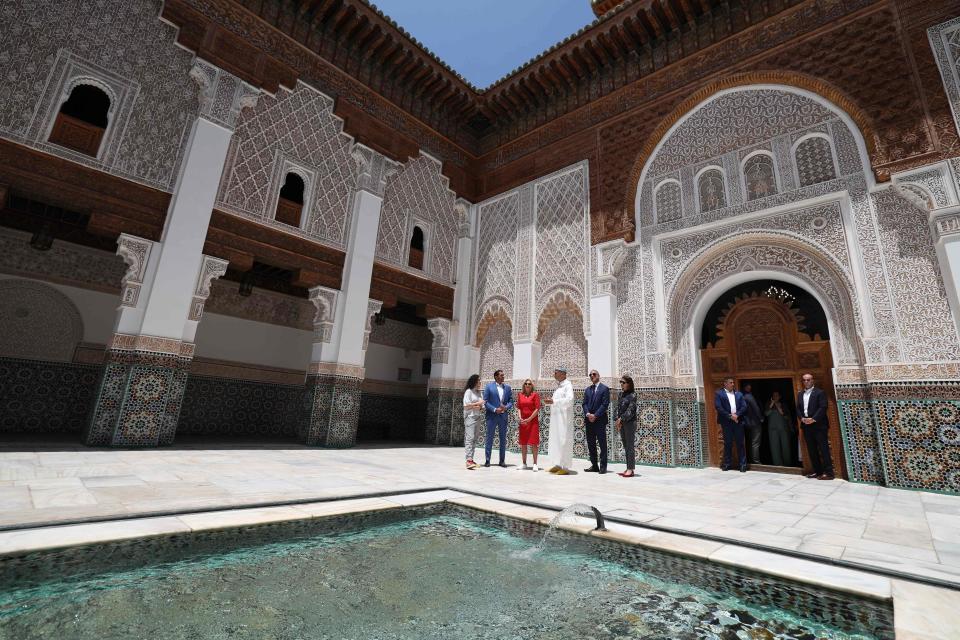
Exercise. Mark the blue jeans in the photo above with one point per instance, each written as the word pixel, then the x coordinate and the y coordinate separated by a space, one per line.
pixel 498 423
pixel 733 433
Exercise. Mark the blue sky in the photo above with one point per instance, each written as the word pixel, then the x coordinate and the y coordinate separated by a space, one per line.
pixel 483 40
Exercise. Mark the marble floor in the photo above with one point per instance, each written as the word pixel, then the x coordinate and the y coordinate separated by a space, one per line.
pixel 915 533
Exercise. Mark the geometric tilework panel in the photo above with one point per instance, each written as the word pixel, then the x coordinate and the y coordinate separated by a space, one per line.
pixel 331 407
pixel 123 38
pixel 920 442
pixel 394 418
pixel 687 421
pixel 221 406
pixel 298 126
pixel 45 397
pixel 814 160
pixel 420 190
pixel 859 430
pixel 668 202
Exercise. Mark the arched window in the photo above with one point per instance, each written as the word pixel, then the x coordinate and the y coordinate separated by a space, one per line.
pixel 82 120
pixel 416 249
pixel 710 187
pixel 814 159
pixel 668 204
pixel 759 176
pixel 290 202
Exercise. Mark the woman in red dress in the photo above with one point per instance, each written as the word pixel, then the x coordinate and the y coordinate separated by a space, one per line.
pixel 528 408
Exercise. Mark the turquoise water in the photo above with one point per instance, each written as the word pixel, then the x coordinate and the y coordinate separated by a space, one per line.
pixel 437 577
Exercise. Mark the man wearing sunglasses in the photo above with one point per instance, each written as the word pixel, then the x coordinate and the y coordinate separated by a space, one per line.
pixel 596 398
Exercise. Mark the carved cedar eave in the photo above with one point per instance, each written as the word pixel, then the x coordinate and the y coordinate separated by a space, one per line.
pixel 241 241
pixel 392 285
pixel 225 49
pixel 115 205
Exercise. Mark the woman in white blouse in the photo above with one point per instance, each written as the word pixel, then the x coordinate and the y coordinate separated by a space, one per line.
pixel 473 409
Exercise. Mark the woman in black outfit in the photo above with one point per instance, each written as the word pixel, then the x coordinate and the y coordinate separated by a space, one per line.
pixel 627 423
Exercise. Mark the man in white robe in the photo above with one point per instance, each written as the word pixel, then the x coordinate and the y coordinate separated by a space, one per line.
pixel 561 424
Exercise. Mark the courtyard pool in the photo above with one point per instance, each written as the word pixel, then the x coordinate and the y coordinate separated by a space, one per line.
pixel 441 571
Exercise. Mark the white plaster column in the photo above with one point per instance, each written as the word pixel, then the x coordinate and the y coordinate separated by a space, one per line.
pixel 947 227
pixel 526 359
pixel 602 341
pixel 466 357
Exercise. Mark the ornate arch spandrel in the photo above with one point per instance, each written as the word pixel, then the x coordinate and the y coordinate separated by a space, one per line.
pixel 491 312
pixel 555 303
pixel 766 252
pixel 786 78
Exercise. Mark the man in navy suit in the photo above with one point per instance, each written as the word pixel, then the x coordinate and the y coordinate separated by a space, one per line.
pixel 731 407
pixel 812 409
pixel 498 399
pixel 596 399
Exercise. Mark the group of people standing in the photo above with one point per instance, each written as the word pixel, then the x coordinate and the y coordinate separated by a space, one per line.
pixel 739 415
pixel 496 401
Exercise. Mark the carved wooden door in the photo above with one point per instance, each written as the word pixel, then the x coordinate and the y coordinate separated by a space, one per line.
pixel 757 338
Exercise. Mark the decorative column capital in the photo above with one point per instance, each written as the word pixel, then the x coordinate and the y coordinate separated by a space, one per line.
pixel 210 269
pixel 462 207
pixel 373 170
pixel 440 328
pixel 325 301
pixel 606 261
pixel 948 225
pixel 135 252
pixel 222 95
pixel 373 307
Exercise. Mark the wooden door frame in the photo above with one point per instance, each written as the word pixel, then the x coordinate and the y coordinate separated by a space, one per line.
pixel 804 355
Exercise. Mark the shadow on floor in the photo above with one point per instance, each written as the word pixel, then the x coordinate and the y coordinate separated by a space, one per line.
pixel 71 442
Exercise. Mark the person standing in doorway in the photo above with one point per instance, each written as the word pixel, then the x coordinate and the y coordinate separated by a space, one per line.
pixel 596 399
pixel 528 411
pixel 752 423
pixel 498 399
pixel 779 431
pixel 472 414
pixel 730 407
pixel 812 407
pixel 627 423
pixel 561 424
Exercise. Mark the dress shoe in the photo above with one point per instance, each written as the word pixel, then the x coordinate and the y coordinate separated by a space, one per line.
pixel 813 475
pixel 743 469
pixel 724 468
pixel 825 476
pixel 592 469
pixel 602 471
pixel 487 463
pixel 503 464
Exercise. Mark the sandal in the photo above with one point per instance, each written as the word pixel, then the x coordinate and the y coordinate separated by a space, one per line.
pixel 628 473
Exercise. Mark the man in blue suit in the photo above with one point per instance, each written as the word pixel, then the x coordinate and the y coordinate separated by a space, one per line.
pixel 498 399
pixel 596 398
pixel 731 407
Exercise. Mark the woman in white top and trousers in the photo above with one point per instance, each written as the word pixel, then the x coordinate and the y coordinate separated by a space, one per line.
pixel 473 410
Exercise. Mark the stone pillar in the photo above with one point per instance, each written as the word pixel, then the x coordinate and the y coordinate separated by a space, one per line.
pixel 442 385
pixel 149 355
pixel 602 341
pixel 526 359
pixel 343 322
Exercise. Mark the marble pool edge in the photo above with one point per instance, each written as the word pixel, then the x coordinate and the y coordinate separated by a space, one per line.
pixel 921 612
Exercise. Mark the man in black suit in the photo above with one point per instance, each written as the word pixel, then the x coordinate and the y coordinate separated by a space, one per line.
pixel 812 409
pixel 752 424
pixel 596 397
pixel 731 407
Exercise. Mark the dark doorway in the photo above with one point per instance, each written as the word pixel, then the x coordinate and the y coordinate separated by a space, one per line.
pixel 763 389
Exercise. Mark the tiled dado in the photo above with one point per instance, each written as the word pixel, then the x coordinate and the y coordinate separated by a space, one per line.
pixel 330 410
pixel 234 407
pixel 138 399
pixel 45 397
pixel 444 420
pixel 902 434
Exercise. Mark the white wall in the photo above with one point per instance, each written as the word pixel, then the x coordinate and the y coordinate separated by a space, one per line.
pixel 382 363
pixel 238 340
pixel 97 309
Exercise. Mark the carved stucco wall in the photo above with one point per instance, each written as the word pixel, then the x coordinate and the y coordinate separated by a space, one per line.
pixel 292 131
pixel 532 248
pixel 892 249
pixel 496 351
pixel 44 46
pixel 563 345
pixel 419 193
pixel 39 322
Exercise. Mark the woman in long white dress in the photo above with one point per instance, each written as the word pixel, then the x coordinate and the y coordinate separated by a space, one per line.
pixel 561 424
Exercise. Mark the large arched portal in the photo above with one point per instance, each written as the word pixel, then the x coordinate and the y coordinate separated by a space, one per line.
pixel 767 333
